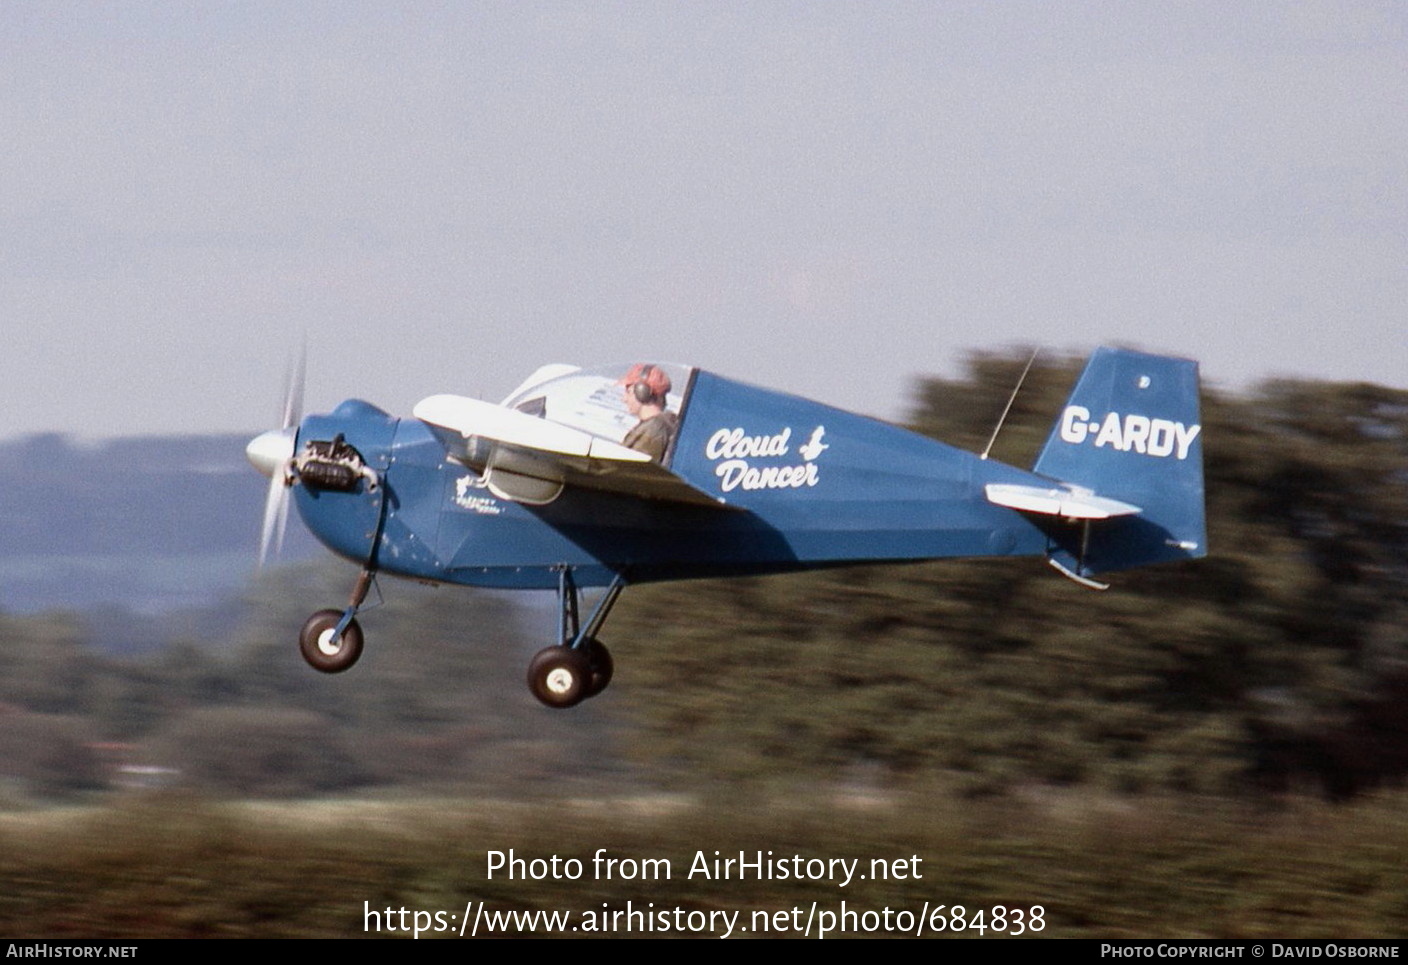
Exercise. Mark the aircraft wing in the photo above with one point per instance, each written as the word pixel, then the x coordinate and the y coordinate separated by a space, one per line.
pixel 530 460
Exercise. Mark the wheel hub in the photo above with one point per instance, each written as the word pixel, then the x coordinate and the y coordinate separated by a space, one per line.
pixel 329 644
pixel 560 680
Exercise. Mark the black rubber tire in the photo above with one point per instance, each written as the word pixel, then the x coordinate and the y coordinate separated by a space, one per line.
pixel 312 641
pixel 559 677
pixel 601 664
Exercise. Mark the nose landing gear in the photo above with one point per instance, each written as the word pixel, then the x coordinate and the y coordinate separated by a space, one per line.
pixel 331 640
pixel 324 647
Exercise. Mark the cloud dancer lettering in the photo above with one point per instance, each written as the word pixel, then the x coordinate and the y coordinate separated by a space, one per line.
pixel 737 450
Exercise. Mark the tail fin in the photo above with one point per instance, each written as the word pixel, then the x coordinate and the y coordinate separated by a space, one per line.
pixel 1131 431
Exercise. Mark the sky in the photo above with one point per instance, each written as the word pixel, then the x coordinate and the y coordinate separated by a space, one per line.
pixel 827 198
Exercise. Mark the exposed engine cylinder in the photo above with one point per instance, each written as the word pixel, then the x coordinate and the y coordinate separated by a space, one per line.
pixel 333 465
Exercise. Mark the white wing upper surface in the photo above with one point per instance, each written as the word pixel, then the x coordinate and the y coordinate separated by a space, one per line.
pixel 531 460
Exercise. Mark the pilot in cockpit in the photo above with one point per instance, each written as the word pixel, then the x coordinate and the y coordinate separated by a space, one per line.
pixel 645 388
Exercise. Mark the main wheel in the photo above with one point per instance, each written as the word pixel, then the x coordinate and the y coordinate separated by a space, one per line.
pixel 601 664
pixel 321 651
pixel 559 676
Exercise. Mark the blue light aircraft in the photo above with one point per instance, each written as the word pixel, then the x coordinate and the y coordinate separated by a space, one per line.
pixel 611 476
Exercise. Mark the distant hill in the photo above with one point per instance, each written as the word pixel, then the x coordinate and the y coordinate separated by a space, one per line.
pixel 151 523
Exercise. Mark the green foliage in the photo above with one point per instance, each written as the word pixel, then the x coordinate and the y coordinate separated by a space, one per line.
pixel 1100 867
pixel 437 700
pixel 1277 663
pixel 44 664
pixel 259 751
pixel 1262 662
pixel 52 754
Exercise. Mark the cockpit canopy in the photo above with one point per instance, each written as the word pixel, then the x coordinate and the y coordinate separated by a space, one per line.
pixel 593 399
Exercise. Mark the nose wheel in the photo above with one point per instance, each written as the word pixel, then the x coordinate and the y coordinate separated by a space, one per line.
pixel 331 640
pixel 324 648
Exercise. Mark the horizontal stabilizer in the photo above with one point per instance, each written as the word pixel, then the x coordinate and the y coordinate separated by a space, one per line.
pixel 530 460
pixel 1057 501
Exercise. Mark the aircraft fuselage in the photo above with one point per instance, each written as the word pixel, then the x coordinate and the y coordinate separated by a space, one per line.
pixel 799 487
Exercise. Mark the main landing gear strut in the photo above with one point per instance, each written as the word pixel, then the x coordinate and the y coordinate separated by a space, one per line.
pixel 561 676
pixel 580 665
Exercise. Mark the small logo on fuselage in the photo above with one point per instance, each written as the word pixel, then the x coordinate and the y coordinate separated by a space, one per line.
pixel 466 497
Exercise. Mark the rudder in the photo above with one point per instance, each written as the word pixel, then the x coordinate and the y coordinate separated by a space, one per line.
pixel 1132 431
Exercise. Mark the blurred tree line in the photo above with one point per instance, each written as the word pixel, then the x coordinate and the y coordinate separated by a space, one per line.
pixel 1278 663
pixel 437 701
